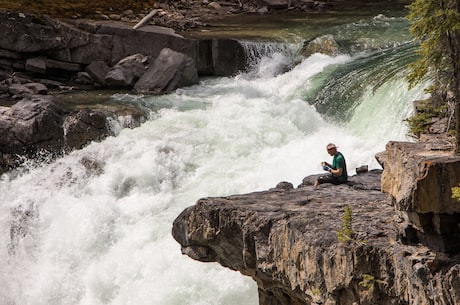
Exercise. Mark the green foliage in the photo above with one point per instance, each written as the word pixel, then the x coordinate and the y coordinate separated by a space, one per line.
pixel 456 192
pixel 422 119
pixel 346 235
pixel 369 281
pixel 434 25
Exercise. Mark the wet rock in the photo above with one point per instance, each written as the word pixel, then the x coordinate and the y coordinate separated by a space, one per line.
pixel 32 123
pixel 24 220
pixel 324 45
pixel 221 57
pixel 38 125
pixel 84 127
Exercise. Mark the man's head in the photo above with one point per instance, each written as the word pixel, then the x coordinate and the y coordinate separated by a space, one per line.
pixel 331 149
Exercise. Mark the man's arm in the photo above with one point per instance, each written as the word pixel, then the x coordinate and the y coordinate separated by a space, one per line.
pixel 339 166
pixel 336 172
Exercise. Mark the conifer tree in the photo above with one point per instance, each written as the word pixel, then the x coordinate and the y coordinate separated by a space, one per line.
pixel 436 26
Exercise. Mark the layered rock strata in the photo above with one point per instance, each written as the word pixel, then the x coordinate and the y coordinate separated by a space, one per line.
pixel 64 50
pixel 286 240
pixel 419 178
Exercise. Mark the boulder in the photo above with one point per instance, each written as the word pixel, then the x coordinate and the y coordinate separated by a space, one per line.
pixel 170 71
pixel 37 88
pixel 325 45
pixel 22 90
pixel 38 124
pixel 31 124
pixel 127 71
pixel 98 70
pixel 19 90
pixel 84 127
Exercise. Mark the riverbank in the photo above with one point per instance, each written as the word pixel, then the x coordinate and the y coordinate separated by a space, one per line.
pixel 188 14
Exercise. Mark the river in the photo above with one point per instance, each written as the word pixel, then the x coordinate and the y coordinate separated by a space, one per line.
pixel 94 227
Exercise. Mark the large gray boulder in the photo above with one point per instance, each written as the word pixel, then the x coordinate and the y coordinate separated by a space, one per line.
pixel 84 127
pixel 127 71
pixel 98 70
pixel 33 123
pixel 39 124
pixel 324 44
pixel 170 71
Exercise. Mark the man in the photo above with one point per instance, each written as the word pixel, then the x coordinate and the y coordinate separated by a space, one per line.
pixel 338 169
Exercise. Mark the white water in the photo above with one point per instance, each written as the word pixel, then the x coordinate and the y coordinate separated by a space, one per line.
pixel 103 237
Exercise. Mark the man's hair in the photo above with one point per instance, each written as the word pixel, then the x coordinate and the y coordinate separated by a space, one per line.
pixel 331 146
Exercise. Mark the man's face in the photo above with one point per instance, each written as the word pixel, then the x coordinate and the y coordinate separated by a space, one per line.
pixel 332 151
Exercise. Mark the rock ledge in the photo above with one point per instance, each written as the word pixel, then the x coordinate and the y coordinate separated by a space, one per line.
pixel 286 240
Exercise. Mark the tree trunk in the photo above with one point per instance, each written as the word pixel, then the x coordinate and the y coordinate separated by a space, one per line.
pixel 457 124
pixel 457 84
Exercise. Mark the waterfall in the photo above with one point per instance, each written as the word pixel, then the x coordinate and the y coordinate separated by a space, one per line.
pixel 93 227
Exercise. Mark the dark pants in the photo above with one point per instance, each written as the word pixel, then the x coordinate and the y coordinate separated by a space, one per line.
pixel 329 178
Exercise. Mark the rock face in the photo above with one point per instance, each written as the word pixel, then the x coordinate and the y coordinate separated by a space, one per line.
pixel 170 71
pixel 48 46
pixel 419 178
pixel 24 124
pixel 286 239
pixel 39 124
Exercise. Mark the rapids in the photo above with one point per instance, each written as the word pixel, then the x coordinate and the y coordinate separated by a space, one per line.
pixel 94 227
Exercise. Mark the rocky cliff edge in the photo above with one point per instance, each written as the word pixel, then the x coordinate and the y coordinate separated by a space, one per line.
pixel 286 238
